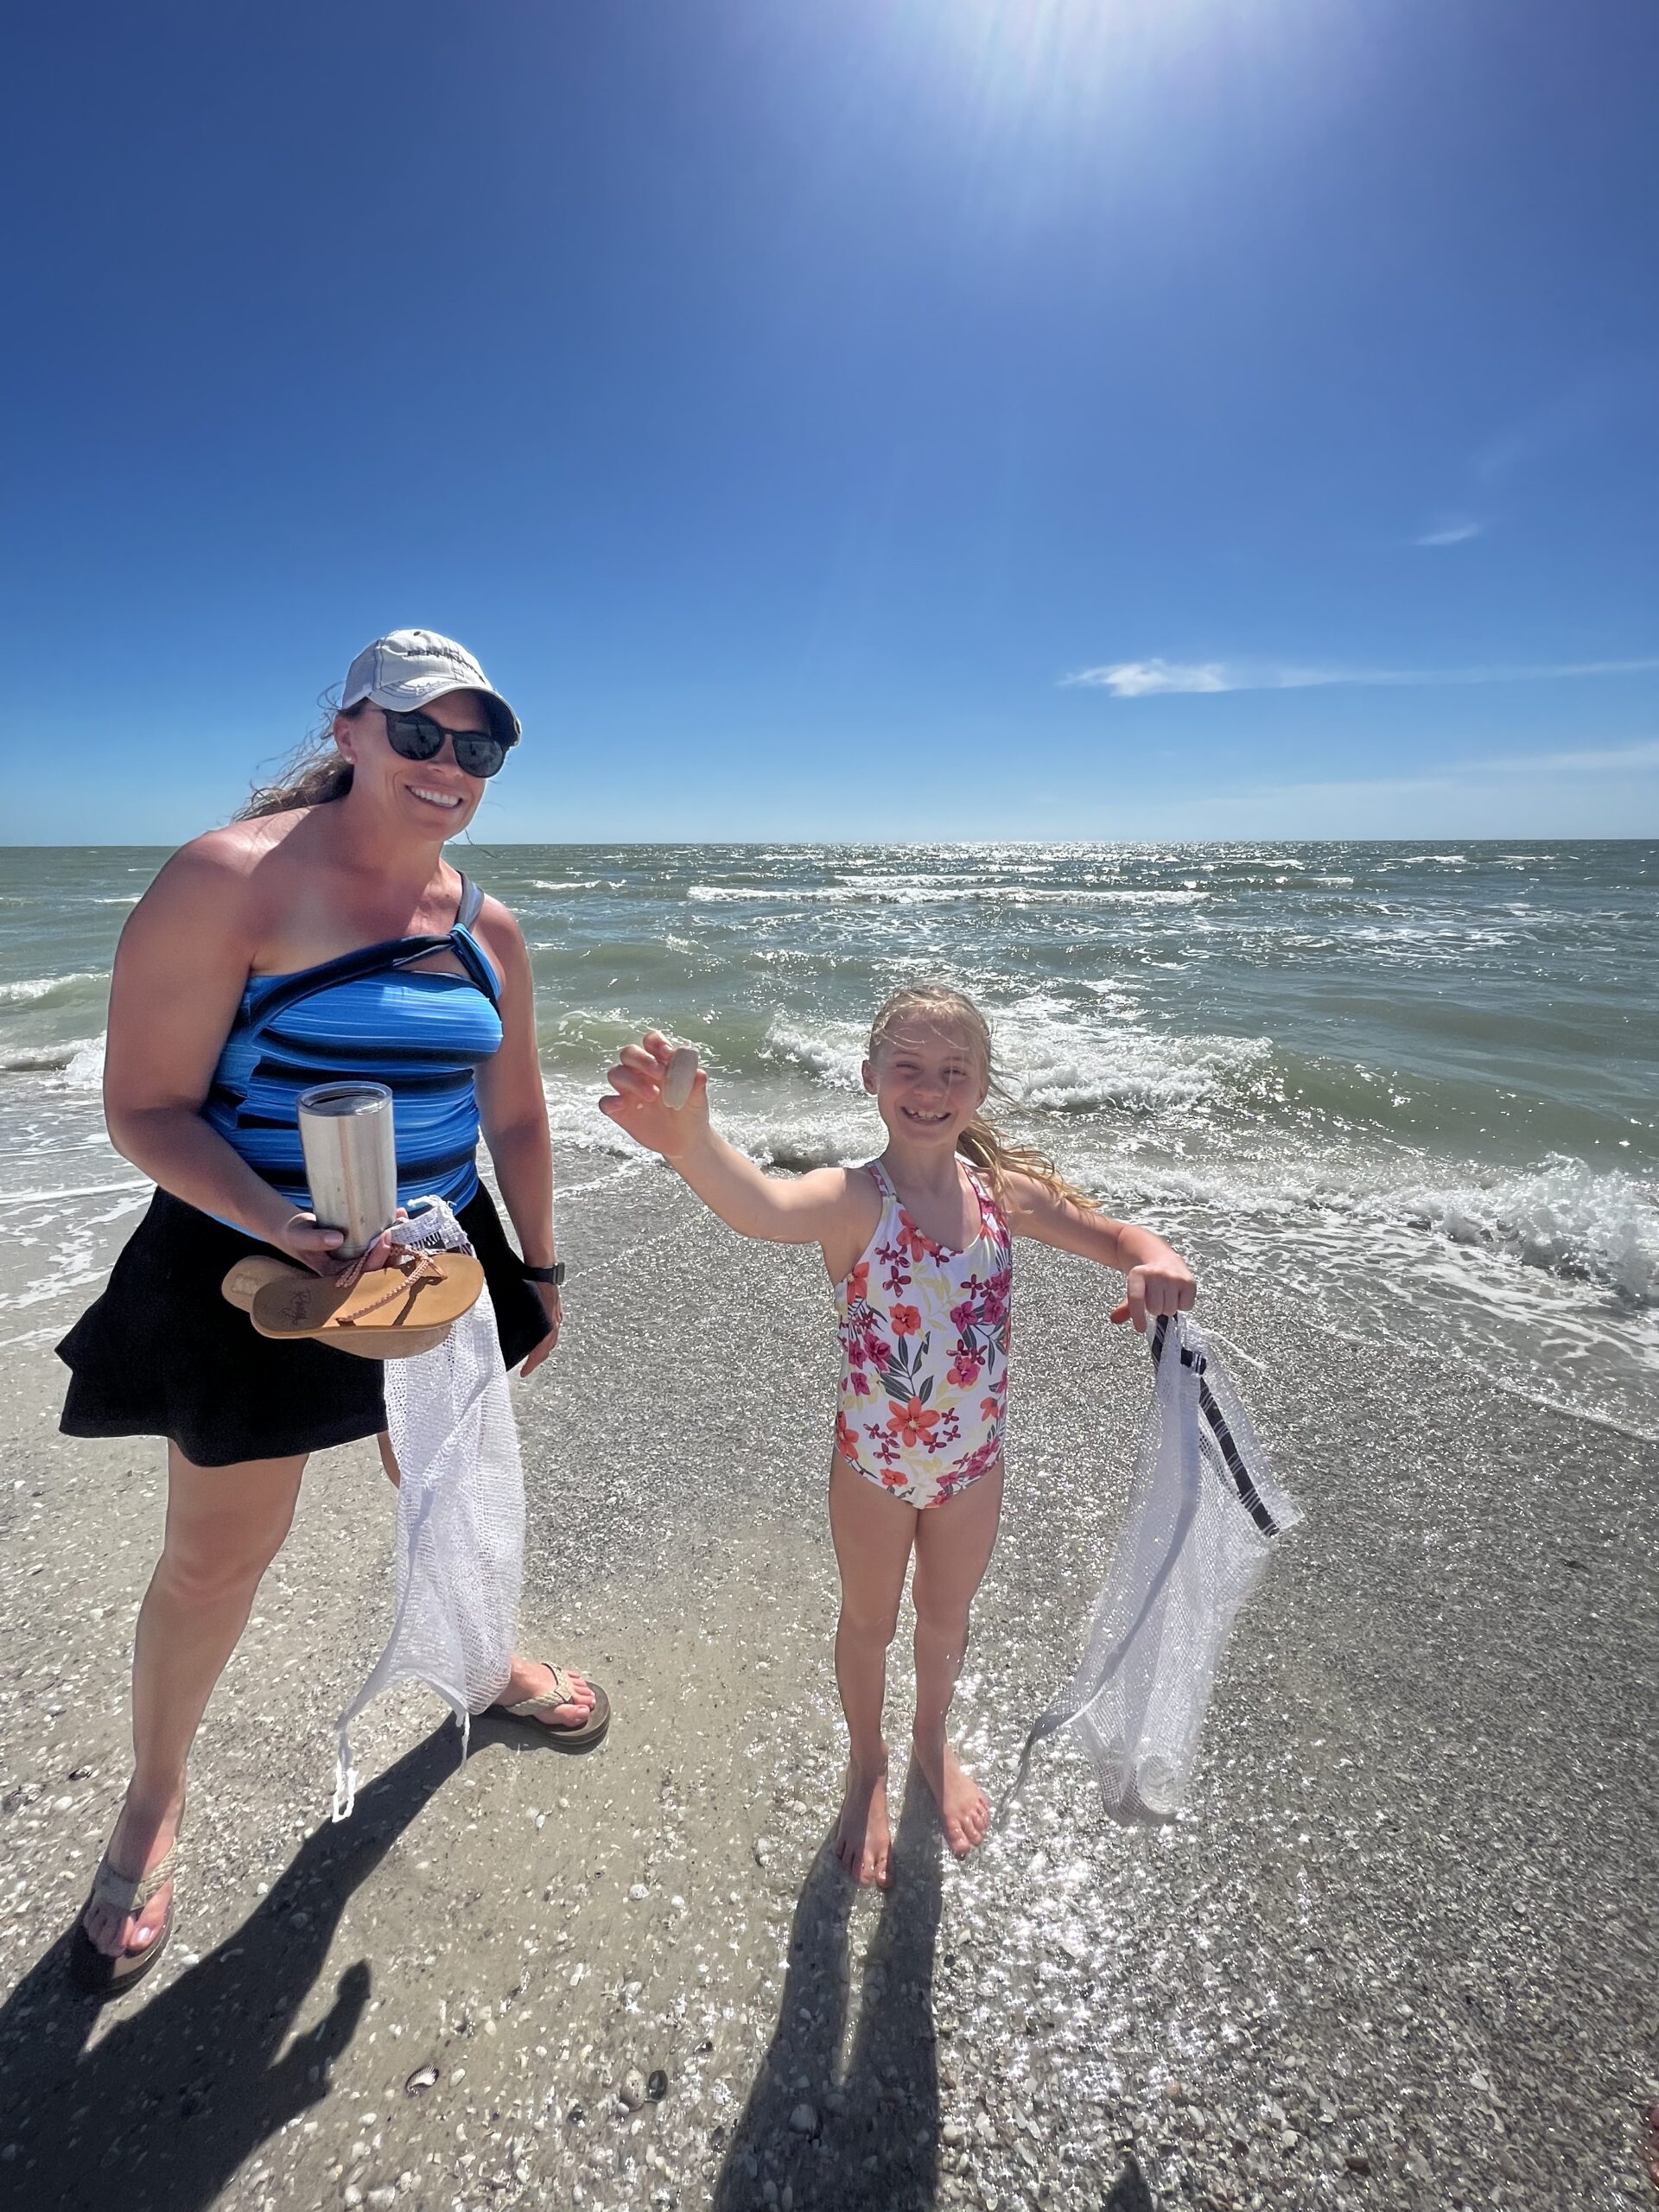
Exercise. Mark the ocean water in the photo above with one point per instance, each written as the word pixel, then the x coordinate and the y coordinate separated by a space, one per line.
pixel 1416 1086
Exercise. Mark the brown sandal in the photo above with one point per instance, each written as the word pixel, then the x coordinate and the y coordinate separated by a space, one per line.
pixel 583 1737
pixel 249 1276
pixel 95 1973
pixel 405 1308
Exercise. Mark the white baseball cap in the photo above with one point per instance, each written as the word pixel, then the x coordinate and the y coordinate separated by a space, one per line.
pixel 407 669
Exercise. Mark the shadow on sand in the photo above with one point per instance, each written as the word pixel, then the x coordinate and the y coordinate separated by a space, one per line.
pixel 875 2144
pixel 159 2115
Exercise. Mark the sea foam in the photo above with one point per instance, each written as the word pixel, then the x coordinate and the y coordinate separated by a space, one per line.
pixel 40 987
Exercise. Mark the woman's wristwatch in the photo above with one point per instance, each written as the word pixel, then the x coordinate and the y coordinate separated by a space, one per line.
pixel 554 1274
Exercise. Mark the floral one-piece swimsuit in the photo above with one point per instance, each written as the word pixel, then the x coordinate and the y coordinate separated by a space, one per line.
pixel 924 1352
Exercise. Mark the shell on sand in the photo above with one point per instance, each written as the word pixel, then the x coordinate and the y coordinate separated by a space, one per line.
pixel 678 1077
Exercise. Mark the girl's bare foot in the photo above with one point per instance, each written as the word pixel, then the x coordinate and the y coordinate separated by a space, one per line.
pixel 143 1836
pixel 964 1809
pixel 863 1834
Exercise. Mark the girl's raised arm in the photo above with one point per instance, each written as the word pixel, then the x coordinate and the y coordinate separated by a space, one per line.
pixel 1157 1279
pixel 801 1210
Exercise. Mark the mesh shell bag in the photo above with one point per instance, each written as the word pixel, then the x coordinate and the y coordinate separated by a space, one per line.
pixel 1202 1516
pixel 460 1513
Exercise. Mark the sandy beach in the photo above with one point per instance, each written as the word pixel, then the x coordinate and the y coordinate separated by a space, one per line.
pixel 1400 1953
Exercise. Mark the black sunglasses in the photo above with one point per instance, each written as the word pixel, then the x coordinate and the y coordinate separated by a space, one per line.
pixel 417 737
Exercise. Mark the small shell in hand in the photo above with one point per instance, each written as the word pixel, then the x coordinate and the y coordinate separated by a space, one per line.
pixel 678 1077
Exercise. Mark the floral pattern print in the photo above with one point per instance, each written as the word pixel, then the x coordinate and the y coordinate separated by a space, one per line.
pixel 924 1353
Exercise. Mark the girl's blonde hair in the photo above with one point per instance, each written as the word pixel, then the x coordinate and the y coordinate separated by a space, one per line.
pixel 982 1143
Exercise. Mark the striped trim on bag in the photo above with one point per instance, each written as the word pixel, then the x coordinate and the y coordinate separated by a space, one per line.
pixel 1221 1437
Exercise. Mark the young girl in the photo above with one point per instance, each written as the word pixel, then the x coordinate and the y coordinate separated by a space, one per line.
pixel 918 1245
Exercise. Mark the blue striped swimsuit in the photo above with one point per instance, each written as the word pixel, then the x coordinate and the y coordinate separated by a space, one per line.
pixel 368 1016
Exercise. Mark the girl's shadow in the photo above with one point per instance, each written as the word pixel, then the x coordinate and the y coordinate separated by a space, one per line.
pixel 874 2147
pixel 160 2113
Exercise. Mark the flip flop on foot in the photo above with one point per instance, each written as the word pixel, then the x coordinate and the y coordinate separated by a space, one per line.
pixel 565 1689
pixel 103 1974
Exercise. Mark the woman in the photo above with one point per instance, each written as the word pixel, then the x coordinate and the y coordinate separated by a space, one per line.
pixel 282 952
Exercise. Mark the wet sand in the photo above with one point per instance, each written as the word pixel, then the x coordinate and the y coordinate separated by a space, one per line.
pixel 1401 1952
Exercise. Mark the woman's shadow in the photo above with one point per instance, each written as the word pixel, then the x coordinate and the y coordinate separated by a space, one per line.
pixel 161 2112
pixel 873 2142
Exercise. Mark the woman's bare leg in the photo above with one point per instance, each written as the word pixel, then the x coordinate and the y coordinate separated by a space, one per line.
pixel 954 1543
pixel 872 1536
pixel 225 1525
pixel 527 1678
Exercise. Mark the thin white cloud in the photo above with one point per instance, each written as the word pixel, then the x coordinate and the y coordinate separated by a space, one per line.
pixel 1591 792
pixel 1645 754
pixel 1145 679
pixel 1456 529
pixel 1583 411
pixel 1458 776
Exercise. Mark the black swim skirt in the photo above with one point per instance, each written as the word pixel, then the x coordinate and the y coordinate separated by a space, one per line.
pixel 163 1353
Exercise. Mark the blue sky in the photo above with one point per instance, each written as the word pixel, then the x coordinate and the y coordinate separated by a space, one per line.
pixel 846 417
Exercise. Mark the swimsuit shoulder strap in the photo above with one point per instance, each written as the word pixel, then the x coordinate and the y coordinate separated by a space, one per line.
pixel 989 1211
pixel 473 958
pixel 471 899
pixel 892 1204
pixel 466 947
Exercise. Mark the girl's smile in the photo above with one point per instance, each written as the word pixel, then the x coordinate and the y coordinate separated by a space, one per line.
pixel 927 1083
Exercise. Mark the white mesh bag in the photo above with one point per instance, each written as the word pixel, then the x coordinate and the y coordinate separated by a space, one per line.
pixel 460 1512
pixel 1202 1516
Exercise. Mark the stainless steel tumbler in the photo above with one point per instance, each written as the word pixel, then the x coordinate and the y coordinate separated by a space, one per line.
pixel 350 1161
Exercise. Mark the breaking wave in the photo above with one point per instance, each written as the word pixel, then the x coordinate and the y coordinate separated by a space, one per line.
pixel 1563 1217
pixel 932 894
pixel 34 987
pixel 44 1059
pixel 1053 1059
